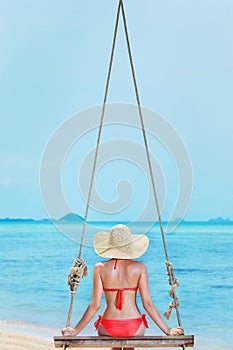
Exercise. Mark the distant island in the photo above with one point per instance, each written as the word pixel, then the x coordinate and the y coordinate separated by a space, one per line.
pixel 70 217
pixel 75 218
pixel 220 220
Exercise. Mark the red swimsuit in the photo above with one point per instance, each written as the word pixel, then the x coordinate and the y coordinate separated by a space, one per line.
pixel 119 296
pixel 123 327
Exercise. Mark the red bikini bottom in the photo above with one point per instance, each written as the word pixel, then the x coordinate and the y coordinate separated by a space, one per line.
pixel 121 328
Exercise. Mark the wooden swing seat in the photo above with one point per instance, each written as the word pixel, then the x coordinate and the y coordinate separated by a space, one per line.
pixel 134 342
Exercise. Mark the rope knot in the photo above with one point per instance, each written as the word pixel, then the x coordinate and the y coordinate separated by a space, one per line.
pixel 174 283
pixel 77 271
pixel 171 306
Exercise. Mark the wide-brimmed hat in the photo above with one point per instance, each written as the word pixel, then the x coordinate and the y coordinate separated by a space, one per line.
pixel 120 243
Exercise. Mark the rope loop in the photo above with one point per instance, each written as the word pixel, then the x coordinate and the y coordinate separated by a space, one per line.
pixel 171 306
pixel 174 283
pixel 77 271
pixel 172 280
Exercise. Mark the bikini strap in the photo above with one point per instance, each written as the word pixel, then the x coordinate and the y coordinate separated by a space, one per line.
pixel 132 288
pixel 145 321
pixel 119 296
pixel 97 322
pixel 121 289
pixel 116 260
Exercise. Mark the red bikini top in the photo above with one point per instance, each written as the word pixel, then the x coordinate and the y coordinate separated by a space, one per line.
pixel 119 296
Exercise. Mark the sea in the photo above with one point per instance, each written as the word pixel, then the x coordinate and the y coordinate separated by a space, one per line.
pixel 36 258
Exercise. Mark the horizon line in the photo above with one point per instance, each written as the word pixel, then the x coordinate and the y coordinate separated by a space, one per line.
pixel 219 218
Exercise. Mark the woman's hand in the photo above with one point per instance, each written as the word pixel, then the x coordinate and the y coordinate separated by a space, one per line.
pixel 69 331
pixel 176 331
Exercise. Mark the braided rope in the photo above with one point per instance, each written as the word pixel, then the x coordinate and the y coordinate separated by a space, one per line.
pixel 174 283
pixel 75 280
pixel 77 271
pixel 169 270
pixel 100 128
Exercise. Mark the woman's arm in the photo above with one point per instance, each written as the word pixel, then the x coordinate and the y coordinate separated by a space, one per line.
pixel 150 307
pixel 92 308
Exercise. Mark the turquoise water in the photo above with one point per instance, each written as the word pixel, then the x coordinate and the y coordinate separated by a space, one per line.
pixel 36 258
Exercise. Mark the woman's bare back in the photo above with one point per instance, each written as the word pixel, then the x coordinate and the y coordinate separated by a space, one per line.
pixel 123 275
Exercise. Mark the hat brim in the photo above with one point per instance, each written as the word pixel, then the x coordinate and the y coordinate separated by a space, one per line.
pixel 135 248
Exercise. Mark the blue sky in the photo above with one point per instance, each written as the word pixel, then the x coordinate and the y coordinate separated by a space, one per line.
pixel 53 64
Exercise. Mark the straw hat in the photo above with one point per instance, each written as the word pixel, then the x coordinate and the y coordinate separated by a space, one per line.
pixel 120 243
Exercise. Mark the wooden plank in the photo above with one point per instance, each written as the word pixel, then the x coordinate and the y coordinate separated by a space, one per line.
pixel 133 342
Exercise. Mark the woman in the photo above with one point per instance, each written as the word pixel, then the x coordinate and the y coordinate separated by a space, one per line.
pixel 120 277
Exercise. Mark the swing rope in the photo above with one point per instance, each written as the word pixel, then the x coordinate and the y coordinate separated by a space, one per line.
pixel 79 268
pixel 73 276
pixel 172 281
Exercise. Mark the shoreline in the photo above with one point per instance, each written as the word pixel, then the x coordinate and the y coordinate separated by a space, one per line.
pixel 19 335
pixel 23 335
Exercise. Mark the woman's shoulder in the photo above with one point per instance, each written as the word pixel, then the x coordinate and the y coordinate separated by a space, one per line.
pixel 99 264
pixel 134 263
pixel 139 264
